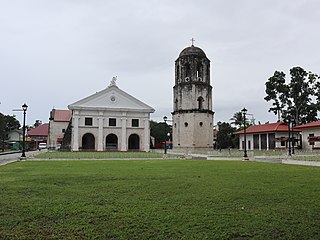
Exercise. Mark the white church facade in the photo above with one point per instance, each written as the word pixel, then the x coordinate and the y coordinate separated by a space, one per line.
pixel 110 120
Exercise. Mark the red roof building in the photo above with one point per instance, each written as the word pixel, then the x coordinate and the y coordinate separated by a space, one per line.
pixel 38 135
pixel 58 124
pixel 267 136
pixel 310 135
pixel 60 115
pixel 39 132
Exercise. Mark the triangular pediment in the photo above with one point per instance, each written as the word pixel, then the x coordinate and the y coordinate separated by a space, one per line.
pixel 111 98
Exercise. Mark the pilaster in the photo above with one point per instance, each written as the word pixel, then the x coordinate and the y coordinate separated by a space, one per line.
pixel 124 134
pixel 100 132
pixel 75 131
pixel 146 135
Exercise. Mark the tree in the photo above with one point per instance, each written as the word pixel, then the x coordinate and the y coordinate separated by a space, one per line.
pixel 237 119
pixel 11 123
pixel 159 131
pixel 2 131
pixel 300 97
pixel 37 123
pixel 7 124
pixel 225 135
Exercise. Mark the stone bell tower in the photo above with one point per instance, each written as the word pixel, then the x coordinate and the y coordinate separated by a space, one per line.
pixel 192 101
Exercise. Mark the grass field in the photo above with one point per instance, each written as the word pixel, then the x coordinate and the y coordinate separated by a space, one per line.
pixel 162 199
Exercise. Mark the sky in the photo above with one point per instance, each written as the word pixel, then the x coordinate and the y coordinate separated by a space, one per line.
pixel 56 52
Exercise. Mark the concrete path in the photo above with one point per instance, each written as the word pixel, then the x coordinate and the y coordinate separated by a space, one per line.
pixel 14 157
pixel 279 160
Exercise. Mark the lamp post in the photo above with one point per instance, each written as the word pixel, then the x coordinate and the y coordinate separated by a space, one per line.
pixel 165 138
pixel 287 118
pixel 244 112
pixel 292 137
pixel 24 108
pixel 289 138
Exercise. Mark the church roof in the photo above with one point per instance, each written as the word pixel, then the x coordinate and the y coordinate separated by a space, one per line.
pixel 192 50
pixel 111 98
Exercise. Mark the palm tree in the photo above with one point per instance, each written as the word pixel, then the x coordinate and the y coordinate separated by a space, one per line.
pixel 237 119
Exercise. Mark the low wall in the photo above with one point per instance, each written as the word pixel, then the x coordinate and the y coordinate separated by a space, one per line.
pixel 298 162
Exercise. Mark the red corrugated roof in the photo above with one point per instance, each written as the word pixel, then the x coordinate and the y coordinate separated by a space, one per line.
pixel 315 124
pixel 266 128
pixel 41 130
pixel 62 115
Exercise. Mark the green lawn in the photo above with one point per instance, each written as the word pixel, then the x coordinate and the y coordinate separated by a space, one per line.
pixel 162 199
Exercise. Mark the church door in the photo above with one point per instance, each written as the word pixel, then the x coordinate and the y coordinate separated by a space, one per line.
pixel 134 142
pixel 88 142
pixel 112 142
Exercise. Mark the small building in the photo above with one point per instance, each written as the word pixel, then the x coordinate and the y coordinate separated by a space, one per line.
pixel 14 139
pixel 110 120
pixel 268 136
pixel 310 135
pixel 58 124
pixel 38 135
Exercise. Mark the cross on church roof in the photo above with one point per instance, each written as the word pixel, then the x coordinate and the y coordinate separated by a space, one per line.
pixel 192 41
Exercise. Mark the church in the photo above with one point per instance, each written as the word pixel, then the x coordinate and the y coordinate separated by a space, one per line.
pixel 113 120
pixel 192 101
pixel 110 120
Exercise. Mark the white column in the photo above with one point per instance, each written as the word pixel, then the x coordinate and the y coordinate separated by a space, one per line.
pixel 100 133
pixel 260 142
pixel 124 134
pixel 75 131
pixel 146 135
pixel 267 141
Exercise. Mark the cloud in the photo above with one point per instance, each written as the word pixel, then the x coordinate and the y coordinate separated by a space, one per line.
pixel 56 52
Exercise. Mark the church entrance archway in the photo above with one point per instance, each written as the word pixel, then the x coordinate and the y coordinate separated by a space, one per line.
pixel 112 142
pixel 88 142
pixel 134 142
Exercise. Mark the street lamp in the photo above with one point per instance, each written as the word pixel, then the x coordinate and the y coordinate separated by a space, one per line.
pixel 289 139
pixel 24 108
pixel 165 118
pixel 287 118
pixel 244 112
pixel 293 139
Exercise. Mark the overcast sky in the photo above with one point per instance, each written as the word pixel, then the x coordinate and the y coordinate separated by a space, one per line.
pixel 54 53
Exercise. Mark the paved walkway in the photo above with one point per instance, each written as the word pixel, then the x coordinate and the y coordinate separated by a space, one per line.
pixel 269 159
pixel 14 157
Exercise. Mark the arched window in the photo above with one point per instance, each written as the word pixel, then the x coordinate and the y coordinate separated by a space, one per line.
pixel 200 103
pixel 199 71
pixel 188 71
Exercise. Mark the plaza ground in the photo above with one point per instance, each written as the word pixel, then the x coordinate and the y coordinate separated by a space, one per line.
pixel 158 199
